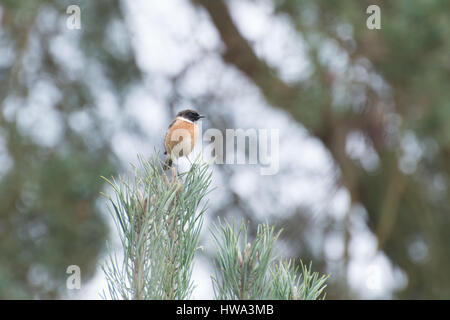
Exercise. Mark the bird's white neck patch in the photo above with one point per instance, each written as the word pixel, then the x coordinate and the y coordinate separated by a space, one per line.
pixel 184 119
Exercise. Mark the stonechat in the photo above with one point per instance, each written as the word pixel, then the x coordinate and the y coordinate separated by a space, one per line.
pixel 181 136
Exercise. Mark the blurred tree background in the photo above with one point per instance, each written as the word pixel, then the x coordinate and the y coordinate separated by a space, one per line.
pixel 50 182
pixel 376 101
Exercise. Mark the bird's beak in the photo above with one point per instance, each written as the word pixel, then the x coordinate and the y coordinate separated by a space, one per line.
pixel 201 117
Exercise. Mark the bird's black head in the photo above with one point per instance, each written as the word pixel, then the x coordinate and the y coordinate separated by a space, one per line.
pixel 189 114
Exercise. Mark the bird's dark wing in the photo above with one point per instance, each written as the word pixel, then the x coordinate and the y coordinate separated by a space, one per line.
pixel 170 125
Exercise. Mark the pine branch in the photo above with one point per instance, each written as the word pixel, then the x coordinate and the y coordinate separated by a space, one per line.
pixel 245 270
pixel 159 221
pixel 288 284
pixel 243 265
pixel 159 226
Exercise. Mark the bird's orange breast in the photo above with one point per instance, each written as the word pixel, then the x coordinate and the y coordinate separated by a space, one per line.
pixel 180 138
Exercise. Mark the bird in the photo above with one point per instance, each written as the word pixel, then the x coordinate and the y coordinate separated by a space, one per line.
pixel 181 136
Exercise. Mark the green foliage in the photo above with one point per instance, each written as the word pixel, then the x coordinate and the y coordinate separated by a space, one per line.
pixel 288 284
pixel 245 269
pixel 159 223
pixel 159 226
pixel 242 265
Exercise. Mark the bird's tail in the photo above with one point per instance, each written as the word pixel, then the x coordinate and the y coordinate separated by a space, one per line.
pixel 168 164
